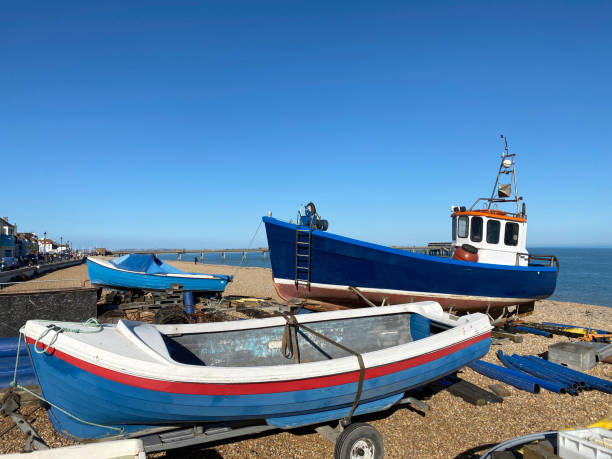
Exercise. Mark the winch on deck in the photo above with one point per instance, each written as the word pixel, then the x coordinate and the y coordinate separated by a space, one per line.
pixel 312 219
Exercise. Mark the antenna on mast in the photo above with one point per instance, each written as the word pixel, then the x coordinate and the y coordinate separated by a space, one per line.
pixel 506 141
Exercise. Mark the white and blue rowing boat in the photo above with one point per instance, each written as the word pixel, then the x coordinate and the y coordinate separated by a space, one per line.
pixel 122 379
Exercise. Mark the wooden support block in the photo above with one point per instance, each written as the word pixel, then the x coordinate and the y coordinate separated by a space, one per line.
pixel 510 336
pixel 473 394
pixel 500 389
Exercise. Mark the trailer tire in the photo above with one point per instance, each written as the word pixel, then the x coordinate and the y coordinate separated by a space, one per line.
pixel 359 440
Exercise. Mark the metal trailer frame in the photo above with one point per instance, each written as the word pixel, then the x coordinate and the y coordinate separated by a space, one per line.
pixel 201 434
pixel 172 437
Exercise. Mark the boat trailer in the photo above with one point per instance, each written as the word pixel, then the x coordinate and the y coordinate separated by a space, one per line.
pixel 351 439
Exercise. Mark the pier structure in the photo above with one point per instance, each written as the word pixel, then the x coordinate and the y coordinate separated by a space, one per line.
pixel 179 252
pixel 440 249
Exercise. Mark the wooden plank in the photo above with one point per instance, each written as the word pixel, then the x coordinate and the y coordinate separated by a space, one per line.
pixel 511 336
pixel 471 393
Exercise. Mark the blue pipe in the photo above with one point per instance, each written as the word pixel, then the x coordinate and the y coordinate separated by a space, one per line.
pixel 534 331
pixel 596 383
pixel 547 384
pixel 538 370
pixel 556 368
pixel 512 377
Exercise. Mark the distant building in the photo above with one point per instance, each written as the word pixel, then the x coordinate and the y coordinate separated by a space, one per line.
pixel 7 238
pixel 26 244
pixel 46 246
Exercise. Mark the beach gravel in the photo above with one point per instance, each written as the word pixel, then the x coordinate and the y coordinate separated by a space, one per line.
pixel 451 428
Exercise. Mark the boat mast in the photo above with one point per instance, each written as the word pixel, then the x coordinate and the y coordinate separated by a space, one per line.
pixel 506 166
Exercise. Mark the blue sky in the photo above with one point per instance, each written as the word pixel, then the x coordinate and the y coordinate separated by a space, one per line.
pixel 180 123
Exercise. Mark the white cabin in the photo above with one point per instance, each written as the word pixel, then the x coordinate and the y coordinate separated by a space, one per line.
pixel 500 237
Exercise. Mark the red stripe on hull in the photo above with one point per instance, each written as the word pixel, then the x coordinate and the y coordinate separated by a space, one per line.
pixel 348 298
pixel 256 388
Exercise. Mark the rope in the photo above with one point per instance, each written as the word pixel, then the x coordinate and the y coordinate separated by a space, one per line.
pixel 292 321
pixel 14 382
pixel 92 322
pixel 25 389
pixel 252 239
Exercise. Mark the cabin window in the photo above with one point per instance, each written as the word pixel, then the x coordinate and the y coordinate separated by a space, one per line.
pixel 511 234
pixel 476 234
pixel 454 230
pixel 493 227
pixel 463 226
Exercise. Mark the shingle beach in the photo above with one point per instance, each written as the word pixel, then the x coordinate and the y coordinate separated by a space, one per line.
pixel 452 427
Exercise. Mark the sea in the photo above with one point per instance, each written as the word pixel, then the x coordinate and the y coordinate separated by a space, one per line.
pixel 585 274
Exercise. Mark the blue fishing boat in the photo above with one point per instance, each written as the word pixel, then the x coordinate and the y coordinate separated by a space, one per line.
pixel 490 268
pixel 117 380
pixel 147 272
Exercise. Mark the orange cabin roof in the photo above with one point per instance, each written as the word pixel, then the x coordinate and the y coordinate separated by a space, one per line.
pixel 491 214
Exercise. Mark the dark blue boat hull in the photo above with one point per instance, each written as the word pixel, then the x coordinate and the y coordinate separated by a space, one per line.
pixel 379 272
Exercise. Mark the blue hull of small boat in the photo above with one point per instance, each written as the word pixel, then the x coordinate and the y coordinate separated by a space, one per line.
pixel 103 276
pixel 87 392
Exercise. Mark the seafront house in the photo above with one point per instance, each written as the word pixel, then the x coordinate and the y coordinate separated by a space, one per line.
pixel 26 244
pixel 7 238
pixel 47 246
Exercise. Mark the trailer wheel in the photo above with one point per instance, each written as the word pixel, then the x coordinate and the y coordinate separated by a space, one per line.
pixel 359 441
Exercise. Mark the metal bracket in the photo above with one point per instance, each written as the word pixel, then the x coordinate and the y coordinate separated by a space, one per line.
pixel 11 402
pixel 329 432
pixel 416 402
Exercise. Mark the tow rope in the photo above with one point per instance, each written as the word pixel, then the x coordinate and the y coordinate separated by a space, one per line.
pixel 92 322
pixel 290 335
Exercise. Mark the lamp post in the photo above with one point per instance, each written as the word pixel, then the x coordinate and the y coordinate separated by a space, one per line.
pixel 45 246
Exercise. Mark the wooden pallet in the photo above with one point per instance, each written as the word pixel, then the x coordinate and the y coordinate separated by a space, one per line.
pixel 171 297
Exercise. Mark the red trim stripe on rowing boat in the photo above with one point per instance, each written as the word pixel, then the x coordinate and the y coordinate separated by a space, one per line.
pixel 257 387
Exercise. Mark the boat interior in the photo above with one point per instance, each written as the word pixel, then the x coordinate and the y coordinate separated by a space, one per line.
pixel 263 346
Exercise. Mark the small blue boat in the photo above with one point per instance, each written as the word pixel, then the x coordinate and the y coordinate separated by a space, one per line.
pixel 147 272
